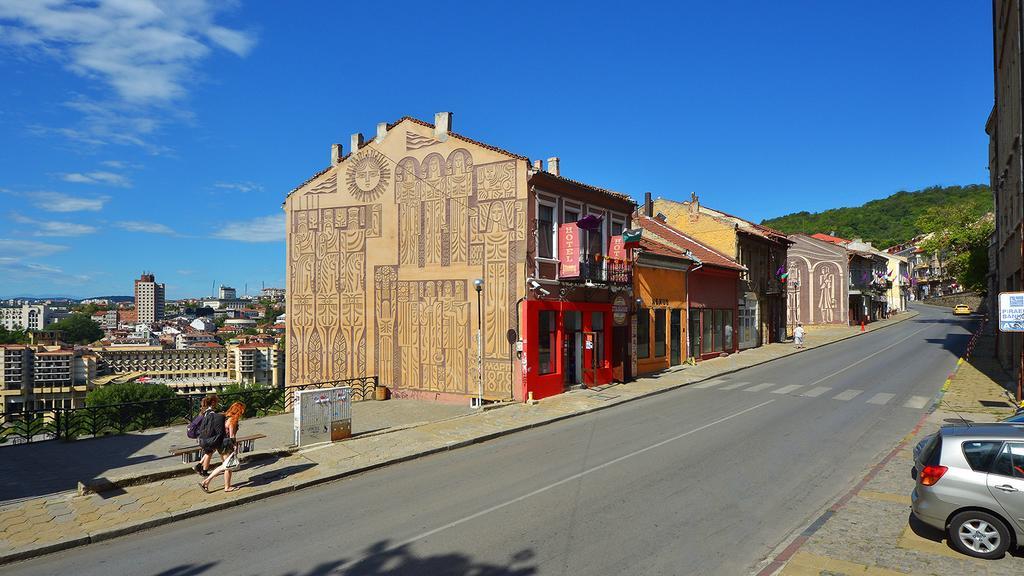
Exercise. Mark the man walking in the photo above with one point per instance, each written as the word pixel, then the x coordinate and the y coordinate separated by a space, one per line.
pixel 798 335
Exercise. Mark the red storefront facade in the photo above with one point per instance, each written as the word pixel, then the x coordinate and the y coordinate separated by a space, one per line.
pixel 566 343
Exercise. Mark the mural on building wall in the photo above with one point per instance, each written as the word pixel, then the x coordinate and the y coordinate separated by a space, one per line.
pixel 816 291
pixel 453 219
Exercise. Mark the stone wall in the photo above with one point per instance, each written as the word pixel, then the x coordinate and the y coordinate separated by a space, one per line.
pixel 972 299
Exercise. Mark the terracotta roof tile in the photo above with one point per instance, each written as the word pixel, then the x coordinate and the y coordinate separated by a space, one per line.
pixel 828 238
pixel 709 256
pixel 617 195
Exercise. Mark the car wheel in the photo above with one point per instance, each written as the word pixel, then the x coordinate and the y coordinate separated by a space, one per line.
pixel 979 534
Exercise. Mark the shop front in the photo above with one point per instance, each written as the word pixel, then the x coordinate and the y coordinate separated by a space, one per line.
pixel 659 284
pixel 714 307
pixel 566 344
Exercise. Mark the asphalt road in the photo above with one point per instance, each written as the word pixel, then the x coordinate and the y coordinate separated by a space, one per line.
pixel 702 480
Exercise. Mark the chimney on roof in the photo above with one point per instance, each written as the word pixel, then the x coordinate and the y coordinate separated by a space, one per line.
pixel 538 165
pixel 442 125
pixel 382 130
pixel 336 154
pixel 648 205
pixel 356 142
pixel 553 165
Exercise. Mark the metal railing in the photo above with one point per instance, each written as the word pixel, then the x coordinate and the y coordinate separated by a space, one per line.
pixel 36 425
pixel 610 272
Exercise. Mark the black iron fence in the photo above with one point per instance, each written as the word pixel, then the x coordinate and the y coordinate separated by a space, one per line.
pixel 610 272
pixel 22 426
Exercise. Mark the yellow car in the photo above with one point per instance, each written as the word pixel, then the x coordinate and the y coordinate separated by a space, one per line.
pixel 961 309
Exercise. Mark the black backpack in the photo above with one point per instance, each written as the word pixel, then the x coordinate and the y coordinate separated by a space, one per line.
pixel 211 431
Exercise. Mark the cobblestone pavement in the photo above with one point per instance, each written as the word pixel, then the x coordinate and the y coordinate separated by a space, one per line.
pixel 873 533
pixel 43 524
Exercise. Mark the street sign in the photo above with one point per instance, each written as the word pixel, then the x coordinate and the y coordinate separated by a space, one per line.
pixel 1011 311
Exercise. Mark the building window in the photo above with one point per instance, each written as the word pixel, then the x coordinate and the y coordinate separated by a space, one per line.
pixel 659 333
pixel 727 329
pixel 545 231
pixel 546 340
pixel 708 326
pixel 643 333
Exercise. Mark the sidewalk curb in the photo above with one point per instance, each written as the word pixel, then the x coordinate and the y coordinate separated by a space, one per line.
pixel 215 507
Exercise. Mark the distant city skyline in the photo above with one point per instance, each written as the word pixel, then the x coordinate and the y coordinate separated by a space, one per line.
pixel 166 140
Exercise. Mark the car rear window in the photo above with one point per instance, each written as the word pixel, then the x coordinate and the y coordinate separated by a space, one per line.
pixel 932 453
pixel 981 453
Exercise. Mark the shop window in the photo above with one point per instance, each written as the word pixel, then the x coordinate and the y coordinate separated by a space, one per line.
pixel 597 326
pixel 729 343
pixel 643 333
pixel 708 326
pixel 719 329
pixel 545 341
pixel 659 333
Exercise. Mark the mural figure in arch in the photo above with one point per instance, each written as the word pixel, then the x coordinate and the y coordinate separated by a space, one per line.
pixel 827 292
pixel 794 282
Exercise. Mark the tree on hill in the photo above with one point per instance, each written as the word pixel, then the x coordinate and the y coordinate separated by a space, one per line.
pixel 890 220
pixel 78 329
pixel 962 237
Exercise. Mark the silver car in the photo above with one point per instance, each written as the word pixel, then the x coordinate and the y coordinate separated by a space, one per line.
pixel 970 484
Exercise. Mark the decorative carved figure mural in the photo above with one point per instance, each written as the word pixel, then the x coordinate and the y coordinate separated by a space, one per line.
pixel 826 291
pixel 386 289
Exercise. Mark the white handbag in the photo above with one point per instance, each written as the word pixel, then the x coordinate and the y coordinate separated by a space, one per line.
pixel 232 462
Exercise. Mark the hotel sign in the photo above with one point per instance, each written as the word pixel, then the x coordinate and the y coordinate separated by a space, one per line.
pixel 617 248
pixel 569 250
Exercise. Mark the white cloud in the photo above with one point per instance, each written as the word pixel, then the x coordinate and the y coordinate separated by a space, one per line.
pixel 239 186
pixel 98 177
pixel 17 250
pixel 147 227
pixel 146 51
pixel 52 227
pixel 263 229
pixel 60 202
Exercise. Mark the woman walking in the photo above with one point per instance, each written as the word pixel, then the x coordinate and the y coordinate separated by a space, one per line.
pixel 206 405
pixel 228 449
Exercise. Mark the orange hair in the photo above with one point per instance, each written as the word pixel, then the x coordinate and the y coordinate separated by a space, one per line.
pixel 235 411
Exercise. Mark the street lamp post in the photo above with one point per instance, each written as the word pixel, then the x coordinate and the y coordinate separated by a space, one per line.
pixel 479 284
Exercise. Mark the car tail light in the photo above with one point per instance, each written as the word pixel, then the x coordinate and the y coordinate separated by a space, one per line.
pixel 931 474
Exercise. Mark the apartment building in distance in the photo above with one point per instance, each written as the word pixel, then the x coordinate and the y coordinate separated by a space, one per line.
pixel 25 316
pixel 149 298
pixel 34 377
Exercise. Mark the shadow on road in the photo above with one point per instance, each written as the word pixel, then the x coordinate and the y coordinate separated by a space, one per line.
pixel 382 559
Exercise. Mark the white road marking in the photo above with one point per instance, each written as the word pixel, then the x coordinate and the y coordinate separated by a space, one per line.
pixel 734 386
pixel 847 395
pixel 868 357
pixel 787 389
pixel 708 383
pixel 882 398
pixel 815 392
pixel 917 402
pixel 759 387
pixel 565 480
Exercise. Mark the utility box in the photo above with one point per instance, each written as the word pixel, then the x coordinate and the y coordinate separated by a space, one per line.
pixel 323 415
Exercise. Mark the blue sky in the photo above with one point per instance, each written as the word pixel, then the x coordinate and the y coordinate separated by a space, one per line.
pixel 163 136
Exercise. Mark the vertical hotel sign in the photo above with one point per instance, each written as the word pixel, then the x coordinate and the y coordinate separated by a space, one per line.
pixel 568 250
pixel 617 248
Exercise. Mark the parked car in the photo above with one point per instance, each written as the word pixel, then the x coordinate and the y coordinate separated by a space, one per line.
pixel 970 484
pixel 961 309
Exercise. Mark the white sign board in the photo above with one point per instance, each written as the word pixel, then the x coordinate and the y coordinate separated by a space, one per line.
pixel 323 415
pixel 1011 311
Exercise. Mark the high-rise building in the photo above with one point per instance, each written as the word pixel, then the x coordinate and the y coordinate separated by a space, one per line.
pixel 227 293
pixel 149 298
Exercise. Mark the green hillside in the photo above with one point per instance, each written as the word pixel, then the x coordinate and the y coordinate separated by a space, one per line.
pixel 887 221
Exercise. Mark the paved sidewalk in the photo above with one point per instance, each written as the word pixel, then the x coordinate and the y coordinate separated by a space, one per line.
pixel 873 532
pixel 49 523
pixel 44 468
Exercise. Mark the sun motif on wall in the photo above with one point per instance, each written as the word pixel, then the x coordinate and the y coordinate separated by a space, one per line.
pixel 368 176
